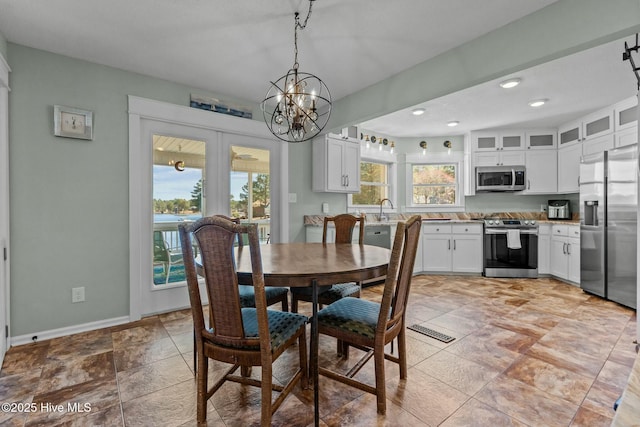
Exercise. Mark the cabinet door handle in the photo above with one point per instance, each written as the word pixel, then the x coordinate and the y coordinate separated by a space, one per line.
pixel 454 244
pixel 568 248
pixel 528 184
pixel 564 248
pixel 449 242
pixel 347 180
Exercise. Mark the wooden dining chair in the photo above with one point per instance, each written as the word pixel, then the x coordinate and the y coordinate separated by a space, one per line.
pixel 344 226
pixel 369 325
pixel 240 336
pixel 274 294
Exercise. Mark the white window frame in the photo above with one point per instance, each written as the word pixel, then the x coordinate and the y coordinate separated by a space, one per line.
pixel 391 160
pixel 435 159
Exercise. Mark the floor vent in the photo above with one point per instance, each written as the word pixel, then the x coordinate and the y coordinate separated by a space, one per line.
pixel 431 333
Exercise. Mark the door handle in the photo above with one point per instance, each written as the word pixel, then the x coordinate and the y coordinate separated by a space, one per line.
pixel 564 248
pixel 513 178
pixel 568 248
pixel 454 244
pixel 528 184
pixel 449 246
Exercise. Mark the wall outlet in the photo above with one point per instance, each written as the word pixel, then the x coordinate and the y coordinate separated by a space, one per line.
pixel 77 294
pixel 293 197
pixel 325 208
pixel 543 208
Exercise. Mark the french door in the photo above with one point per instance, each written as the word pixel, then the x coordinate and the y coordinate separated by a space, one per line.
pixel 186 171
pixel 4 207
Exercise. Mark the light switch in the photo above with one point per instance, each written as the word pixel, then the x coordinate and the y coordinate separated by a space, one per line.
pixel 293 197
pixel 325 208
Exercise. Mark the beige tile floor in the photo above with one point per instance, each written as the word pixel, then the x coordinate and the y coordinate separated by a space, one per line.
pixel 527 353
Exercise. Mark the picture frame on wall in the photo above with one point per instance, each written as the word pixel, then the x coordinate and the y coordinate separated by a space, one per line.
pixel 69 122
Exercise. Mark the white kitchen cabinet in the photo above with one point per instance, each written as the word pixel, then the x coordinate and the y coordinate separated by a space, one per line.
pixel 598 145
pixel 625 137
pixel 452 248
pixel 541 139
pixel 570 133
pixel 336 164
pixel 597 124
pixel 544 248
pixel 626 114
pixel 541 172
pixel 565 252
pixel 497 141
pixel 499 158
pixel 569 168
pixel 417 266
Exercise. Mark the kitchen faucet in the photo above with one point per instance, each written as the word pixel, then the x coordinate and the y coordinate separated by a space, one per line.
pixel 385 217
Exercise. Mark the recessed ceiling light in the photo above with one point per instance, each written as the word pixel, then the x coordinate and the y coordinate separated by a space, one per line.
pixel 418 111
pixel 537 102
pixel 508 84
pixel 453 123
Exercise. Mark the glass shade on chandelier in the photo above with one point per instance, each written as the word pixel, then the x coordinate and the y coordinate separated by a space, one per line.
pixel 297 106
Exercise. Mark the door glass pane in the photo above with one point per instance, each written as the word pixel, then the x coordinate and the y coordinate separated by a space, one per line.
pixel 597 126
pixel 487 142
pixel 511 141
pixel 569 136
pixel 250 188
pixel 178 171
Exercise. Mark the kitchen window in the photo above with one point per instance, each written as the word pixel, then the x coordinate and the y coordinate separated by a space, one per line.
pixel 377 182
pixel 435 185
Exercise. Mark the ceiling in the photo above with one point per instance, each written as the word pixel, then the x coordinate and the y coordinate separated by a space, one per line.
pixel 235 48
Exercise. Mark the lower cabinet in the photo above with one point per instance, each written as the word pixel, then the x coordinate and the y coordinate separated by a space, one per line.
pixel 565 252
pixel 452 248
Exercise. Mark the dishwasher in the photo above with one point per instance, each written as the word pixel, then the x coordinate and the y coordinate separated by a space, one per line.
pixel 377 235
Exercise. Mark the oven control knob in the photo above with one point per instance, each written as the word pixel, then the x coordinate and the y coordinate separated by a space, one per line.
pixel 533 222
pixel 526 222
pixel 490 222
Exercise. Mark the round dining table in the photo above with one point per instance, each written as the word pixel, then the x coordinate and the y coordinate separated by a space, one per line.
pixel 309 265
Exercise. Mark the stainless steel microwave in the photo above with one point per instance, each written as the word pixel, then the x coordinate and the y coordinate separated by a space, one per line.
pixel 500 178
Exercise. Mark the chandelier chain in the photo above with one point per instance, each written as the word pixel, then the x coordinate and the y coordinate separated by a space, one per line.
pixel 295 32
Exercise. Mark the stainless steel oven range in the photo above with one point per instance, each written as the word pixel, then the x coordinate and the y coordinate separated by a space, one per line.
pixel 510 248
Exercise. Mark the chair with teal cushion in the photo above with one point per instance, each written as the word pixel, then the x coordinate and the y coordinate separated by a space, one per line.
pixel 370 326
pixel 344 226
pixel 237 335
pixel 274 294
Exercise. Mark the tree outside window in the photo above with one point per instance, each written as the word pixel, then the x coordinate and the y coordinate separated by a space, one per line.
pixel 434 184
pixel 374 184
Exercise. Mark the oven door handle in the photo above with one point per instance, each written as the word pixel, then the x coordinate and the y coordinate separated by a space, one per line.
pixel 503 231
pixel 513 178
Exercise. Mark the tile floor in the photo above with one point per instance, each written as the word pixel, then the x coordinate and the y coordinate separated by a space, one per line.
pixel 526 353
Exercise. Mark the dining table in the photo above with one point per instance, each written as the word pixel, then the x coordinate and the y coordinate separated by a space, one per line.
pixel 310 265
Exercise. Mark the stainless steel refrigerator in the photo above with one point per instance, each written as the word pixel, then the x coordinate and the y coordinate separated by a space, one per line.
pixel 608 224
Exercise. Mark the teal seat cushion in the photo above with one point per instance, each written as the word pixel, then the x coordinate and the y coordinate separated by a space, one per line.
pixel 248 297
pixel 282 325
pixel 351 314
pixel 331 293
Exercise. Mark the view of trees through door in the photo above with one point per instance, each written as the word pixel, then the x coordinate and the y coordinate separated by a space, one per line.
pixel 250 188
pixel 178 176
pixel 180 195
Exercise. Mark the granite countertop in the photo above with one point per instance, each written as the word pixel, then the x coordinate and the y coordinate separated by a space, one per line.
pixel 462 217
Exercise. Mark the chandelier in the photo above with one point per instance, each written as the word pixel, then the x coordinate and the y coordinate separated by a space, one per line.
pixel 297 106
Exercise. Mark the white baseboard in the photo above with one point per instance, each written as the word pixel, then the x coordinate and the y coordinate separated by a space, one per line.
pixel 69 330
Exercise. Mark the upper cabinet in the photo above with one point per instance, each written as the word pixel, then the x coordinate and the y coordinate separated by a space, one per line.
pixel 570 133
pixel 626 114
pixel 594 125
pixel 336 164
pixel 497 141
pixel 541 139
pixel 597 124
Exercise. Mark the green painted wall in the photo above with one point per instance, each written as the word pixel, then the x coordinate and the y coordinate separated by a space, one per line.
pixel 69 198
